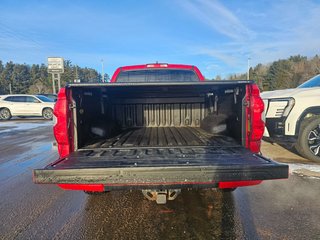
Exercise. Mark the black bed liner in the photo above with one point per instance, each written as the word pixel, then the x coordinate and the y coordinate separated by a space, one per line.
pixel 163 137
pixel 163 156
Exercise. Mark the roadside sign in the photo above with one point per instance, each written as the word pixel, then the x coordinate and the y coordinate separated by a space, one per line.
pixel 55 65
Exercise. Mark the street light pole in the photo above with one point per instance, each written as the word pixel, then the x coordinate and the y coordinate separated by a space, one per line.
pixel 102 73
pixel 248 71
pixel 76 79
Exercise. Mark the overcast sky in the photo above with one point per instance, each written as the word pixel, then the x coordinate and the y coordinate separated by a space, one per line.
pixel 216 36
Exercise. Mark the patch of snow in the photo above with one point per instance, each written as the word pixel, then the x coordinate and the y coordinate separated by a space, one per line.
pixel 293 167
pixel 305 170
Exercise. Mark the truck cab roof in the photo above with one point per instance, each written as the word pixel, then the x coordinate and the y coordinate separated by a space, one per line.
pixel 157 67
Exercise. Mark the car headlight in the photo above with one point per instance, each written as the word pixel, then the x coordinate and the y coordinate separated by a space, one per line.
pixel 279 107
pixel 266 104
pixel 290 104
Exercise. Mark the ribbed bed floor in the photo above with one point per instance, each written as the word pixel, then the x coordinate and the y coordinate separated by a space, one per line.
pixel 163 137
pixel 163 146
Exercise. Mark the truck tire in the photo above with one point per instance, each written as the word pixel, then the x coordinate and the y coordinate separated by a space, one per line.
pixel 95 193
pixel 47 113
pixel 227 190
pixel 308 144
pixel 5 114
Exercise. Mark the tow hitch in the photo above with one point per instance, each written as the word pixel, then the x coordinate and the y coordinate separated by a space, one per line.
pixel 161 196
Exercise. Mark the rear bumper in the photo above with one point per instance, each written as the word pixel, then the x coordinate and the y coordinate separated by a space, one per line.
pixel 163 177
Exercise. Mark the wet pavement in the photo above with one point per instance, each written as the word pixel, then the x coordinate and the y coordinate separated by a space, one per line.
pixel 283 209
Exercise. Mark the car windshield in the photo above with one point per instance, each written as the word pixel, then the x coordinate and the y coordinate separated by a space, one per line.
pixel 44 99
pixel 157 75
pixel 313 82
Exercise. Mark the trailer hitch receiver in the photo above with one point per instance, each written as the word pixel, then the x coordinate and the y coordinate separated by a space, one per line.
pixel 161 196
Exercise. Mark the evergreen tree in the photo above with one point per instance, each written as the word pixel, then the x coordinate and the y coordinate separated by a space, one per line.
pixel 20 78
pixel 6 76
pixel 218 77
pixel 2 85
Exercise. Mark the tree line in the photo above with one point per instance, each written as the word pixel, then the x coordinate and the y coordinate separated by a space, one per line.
pixel 281 74
pixel 34 79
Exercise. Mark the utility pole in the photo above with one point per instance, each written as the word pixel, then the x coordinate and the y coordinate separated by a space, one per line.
pixel 102 73
pixel 248 72
pixel 10 88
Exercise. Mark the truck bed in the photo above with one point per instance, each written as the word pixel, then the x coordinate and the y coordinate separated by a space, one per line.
pixel 166 155
pixel 163 137
pixel 162 146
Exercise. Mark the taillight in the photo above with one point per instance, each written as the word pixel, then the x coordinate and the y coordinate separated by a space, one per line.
pixel 60 129
pixel 255 125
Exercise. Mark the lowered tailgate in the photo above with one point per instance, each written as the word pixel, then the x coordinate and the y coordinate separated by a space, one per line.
pixel 138 167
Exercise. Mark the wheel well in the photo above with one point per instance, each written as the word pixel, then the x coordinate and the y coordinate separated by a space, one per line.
pixel 4 108
pixel 47 108
pixel 309 112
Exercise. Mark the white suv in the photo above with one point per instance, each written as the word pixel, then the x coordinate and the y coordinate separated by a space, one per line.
pixel 22 105
pixel 293 116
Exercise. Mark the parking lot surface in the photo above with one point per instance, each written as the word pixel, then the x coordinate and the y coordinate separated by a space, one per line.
pixel 283 209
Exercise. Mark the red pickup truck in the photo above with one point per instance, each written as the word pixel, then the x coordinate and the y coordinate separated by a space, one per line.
pixel 159 128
